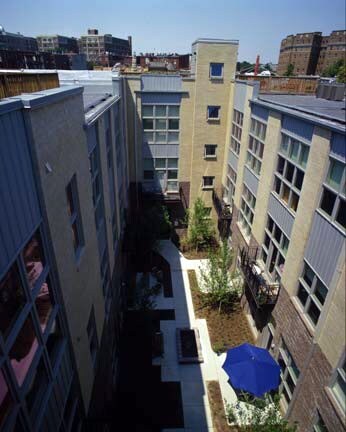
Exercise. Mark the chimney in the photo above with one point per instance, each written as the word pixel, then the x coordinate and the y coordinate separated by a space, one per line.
pixel 129 38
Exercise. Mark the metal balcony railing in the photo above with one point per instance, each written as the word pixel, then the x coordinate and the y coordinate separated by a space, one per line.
pixel 222 209
pixel 263 291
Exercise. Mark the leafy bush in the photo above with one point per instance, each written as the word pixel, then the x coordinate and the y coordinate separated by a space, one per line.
pixel 201 231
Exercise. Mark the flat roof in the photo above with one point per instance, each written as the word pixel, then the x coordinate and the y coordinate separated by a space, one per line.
pixel 309 106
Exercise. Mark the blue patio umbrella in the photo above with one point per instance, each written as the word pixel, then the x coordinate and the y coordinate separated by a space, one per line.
pixel 252 369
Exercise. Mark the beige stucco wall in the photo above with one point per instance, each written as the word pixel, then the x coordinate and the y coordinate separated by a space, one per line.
pixel 63 145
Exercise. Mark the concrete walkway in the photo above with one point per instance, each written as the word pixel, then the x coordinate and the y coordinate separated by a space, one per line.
pixel 192 377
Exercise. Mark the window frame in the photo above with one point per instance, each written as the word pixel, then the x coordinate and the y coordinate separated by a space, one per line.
pixel 217 77
pixel 204 186
pixel 289 361
pixel 244 218
pixel 210 156
pixel 170 136
pixel 338 372
pixel 210 107
pixel 75 218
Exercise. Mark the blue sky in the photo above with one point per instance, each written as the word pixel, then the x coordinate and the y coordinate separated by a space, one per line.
pixel 161 25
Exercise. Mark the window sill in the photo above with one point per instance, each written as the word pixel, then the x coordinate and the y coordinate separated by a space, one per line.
pixel 310 328
pixel 253 172
pixel 213 120
pixel 207 188
pixel 327 218
pixel 245 237
pixel 277 196
pixel 210 157
pixel 337 408
pixel 216 78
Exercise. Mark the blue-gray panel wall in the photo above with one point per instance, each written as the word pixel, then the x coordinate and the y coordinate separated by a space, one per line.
pixel 161 98
pixel 160 150
pixel 298 127
pixel 19 207
pixel 240 96
pixel 233 160
pixel 280 215
pixel 338 145
pixel 323 248
pixel 161 83
pixel 260 112
pixel 91 138
pixel 250 180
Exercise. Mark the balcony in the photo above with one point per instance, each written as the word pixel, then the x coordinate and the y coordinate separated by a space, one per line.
pixel 263 291
pixel 222 208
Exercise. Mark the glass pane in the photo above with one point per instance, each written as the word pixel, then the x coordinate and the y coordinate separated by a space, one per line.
pixel 37 389
pixel 284 243
pixel 304 153
pixel 172 163
pixel 148 175
pixel 216 69
pixel 339 389
pixel 289 172
pixel 284 143
pixel 161 137
pixel 161 124
pixel 308 275
pixel 285 193
pixel 294 149
pixel 173 110
pixel 341 214
pixel 6 401
pixel 213 112
pixel 160 163
pixel 281 165
pixel 23 350
pixel 290 383
pixel 33 259
pixel 148 163
pixel 148 124
pixel 53 341
pixel 147 111
pixel 173 137
pixel 12 299
pixel 320 291
pixel 70 203
pixel 302 294
pixel 328 201
pixel 172 186
pixel 160 111
pixel 335 172
pixel 313 312
pixel 299 179
pixel 172 174
pixel 173 124
pixel 294 201
pixel 148 137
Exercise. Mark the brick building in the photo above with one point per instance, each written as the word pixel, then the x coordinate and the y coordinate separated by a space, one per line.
pixel 57 44
pixel 178 61
pixel 311 53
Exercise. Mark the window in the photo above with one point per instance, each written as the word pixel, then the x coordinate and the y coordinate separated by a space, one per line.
pixel 161 172
pixel 161 124
pixel 289 375
pixel 258 129
pixel 213 112
pixel 333 199
pixel 75 217
pixel 216 70
pixel 311 293
pixel 319 425
pixel 6 401
pixel 256 146
pixel 237 123
pixel 339 386
pixel 92 336
pixel 210 151
pixel 274 249
pixel 231 181
pixel 208 182
pixel 246 211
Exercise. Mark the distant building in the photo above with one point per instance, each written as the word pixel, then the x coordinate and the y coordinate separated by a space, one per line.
pixel 311 53
pixel 104 49
pixel 177 61
pixel 16 41
pixel 57 44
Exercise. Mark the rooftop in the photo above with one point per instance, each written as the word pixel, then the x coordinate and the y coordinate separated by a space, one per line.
pixel 310 106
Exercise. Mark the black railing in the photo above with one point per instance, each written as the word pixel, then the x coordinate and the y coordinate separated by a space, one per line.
pixel 264 293
pixel 222 209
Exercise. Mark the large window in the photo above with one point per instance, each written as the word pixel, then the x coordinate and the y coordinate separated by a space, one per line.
pixel 333 199
pixel 208 182
pixel 75 217
pixel 256 146
pixel 319 425
pixel 246 211
pixel 161 124
pixel 231 181
pixel 237 123
pixel 274 249
pixel 311 293
pixel 289 375
pixel 92 337
pixel 163 172
pixel 339 385
pixel 290 169
pixel 210 151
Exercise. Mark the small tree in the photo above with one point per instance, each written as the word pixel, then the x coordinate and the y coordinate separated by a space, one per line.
pixel 260 415
pixel 201 231
pixel 219 285
pixel 341 75
pixel 289 70
pixel 333 69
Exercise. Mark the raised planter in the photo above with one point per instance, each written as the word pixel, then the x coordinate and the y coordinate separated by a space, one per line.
pixel 189 347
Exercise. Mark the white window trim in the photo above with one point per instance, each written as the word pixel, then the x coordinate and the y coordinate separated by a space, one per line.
pixel 208 187
pixel 213 118
pixel 214 156
pixel 216 77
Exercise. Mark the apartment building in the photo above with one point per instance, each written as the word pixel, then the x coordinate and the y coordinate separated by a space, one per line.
pixel 16 41
pixel 57 44
pixel 64 189
pixel 104 49
pixel 311 53
pixel 284 183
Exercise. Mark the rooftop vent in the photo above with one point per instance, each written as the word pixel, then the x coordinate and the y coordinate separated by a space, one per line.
pixel 331 91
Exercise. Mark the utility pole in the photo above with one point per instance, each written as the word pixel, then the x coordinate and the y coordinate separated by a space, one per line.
pixel 257 65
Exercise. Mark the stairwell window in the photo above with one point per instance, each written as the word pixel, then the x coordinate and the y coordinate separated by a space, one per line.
pixel 289 375
pixel 75 217
pixel 338 386
pixel 246 211
pixel 213 112
pixel 216 70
